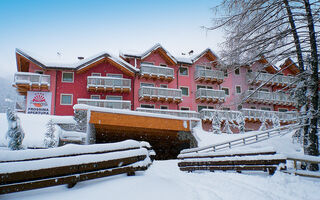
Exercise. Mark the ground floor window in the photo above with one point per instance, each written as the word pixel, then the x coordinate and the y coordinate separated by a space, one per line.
pixel 66 99
pixel 164 107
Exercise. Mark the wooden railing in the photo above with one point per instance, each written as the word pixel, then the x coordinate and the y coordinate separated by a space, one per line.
pixel 243 140
pixel 302 160
pixel 71 164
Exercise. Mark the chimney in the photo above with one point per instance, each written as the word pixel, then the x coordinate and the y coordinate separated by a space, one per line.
pixel 80 58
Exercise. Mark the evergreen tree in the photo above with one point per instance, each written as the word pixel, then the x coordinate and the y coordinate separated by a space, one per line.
pixel 216 123
pixel 15 132
pixel 80 116
pixel 50 139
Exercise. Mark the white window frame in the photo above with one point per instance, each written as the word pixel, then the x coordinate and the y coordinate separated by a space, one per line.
pixel 95 74
pixel 163 65
pixel 236 89
pixel 225 92
pixel 147 83
pixel 67 81
pixel 166 85
pixel 182 93
pixel 37 72
pixel 97 95
pixel 147 63
pixel 66 95
pixel 184 74
pixel 186 108
pixel 161 107
pixel 108 75
pixel 147 105
pixel 114 96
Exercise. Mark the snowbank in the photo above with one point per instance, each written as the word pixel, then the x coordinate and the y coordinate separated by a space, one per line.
pixel 34 127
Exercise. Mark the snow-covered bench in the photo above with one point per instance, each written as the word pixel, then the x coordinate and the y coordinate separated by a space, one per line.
pixel 253 160
pixel 31 169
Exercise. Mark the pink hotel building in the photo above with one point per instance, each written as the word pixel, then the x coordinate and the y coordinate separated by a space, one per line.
pixel 156 81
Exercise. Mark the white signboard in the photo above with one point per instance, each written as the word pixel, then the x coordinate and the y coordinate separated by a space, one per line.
pixel 39 103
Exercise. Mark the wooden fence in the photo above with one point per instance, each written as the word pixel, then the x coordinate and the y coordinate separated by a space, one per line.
pixel 28 172
pixel 243 140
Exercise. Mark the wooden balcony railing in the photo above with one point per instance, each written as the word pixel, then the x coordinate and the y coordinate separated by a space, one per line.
pixel 178 113
pixel 160 94
pixel 276 98
pixel 117 104
pixel 278 80
pixel 110 84
pixel 26 81
pixel 210 95
pixel 209 75
pixel 251 115
pixel 157 72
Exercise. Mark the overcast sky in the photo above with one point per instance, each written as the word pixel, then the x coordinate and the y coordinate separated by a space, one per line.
pixel 85 28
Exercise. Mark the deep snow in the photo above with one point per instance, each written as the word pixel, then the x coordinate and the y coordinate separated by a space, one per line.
pixel 164 180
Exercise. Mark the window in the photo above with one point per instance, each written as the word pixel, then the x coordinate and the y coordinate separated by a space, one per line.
pixel 265 108
pixel 251 88
pixel 67 77
pixel 282 110
pixel 184 71
pixel 147 106
pixel 114 98
pixel 210 107
pixel 185 91
pixel 146 85
pixel 115 75
pixel 237 71
pixel 249 70
pixel 95 74
pixel 200 86
pixel 163 107
pixel 38 72
pixel 264 90
pixel 209 87
pixel 163 65
pixel 163 85
pixel 66 99
pixel 225 72
pixel 184 108
pixel 147 63
pixel 201 107
pixel 95 97
pixel 239 107
pixel 226 90
pixel 225 108
pixel 253 107
pixel 238 89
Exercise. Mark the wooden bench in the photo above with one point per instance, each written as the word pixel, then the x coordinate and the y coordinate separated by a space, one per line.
pixel 34 172
pixel 267 161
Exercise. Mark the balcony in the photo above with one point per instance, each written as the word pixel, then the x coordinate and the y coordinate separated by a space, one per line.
pixel 116 104
pixel 156 72
pixel 108 84
pixel 275 98
pixel 210 76
pixel 178 113
pixel 210 95
pixel 208 114
pixel 250 115
pixel 278 80
pixel 160 94
pixel 253 115
pixel 26 81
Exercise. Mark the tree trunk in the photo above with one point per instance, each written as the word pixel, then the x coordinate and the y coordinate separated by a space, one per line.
pixel 312 147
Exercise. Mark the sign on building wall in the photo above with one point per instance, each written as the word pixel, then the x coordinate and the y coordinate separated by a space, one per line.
pixel 39 103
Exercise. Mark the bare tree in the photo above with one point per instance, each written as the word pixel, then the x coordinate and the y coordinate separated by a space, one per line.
pixel 275 29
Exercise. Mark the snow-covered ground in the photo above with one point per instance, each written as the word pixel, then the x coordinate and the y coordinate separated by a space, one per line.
pixel 34 127
pixel 164 180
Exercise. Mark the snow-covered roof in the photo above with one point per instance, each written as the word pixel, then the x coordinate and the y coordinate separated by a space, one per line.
pixel 184 60
pixel 77 65
pixel 148 52
pixel 196 57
